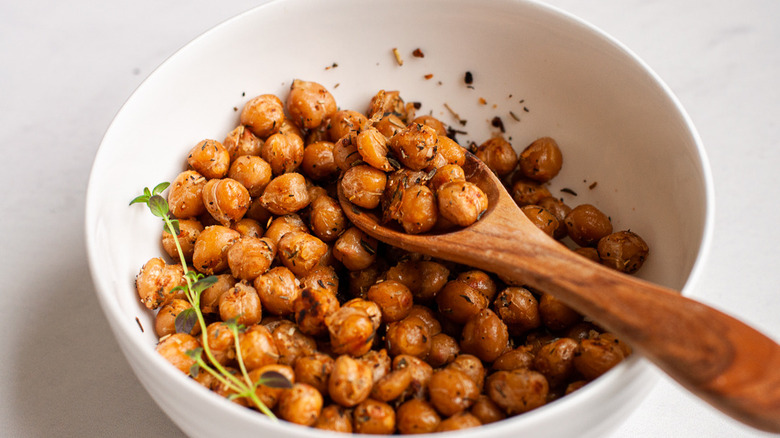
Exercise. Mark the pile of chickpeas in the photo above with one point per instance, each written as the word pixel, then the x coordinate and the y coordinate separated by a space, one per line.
pixel 374 339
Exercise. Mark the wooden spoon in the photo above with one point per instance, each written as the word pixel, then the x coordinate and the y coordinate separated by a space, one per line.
pixel 720 359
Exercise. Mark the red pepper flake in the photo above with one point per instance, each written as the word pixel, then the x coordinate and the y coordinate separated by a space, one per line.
pixel 469 78
pixel 397 55
pixel 482 101
pixel 498 123
pixel 418 53
pixel 593 185
pixel 428 76
pixel 334 65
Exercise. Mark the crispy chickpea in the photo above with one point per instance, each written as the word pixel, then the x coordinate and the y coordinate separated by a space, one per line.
pixel 461 420
pixel 624 347
pixel 309 103
pixel 573 386
pixel 433 122
pixel 355 249
pixel 185 195
pixel 444 349
pixel 589 253
pixel 301 252
pixel 318 161
pixel 165 321
pixel 322 277
pixel 283 225
pixel 558 209
pixel 209 298
pixel 286 194
pixel 471 366
pixel 351 331
pixel 421 374
pixel 537 338
pixel 240 141
pixel 156 282
pixel 526 192
pixel 392 385
pixel 350 381
pixel 250 257
pixel 189 230
pixel 258 212
pixel 242 303
pixel 345 153
pixel 479 280
pixel 541 218
pixel 283 152
pixel 335 418
pixel 409 336
pixel 393 298
pixel 253 172
pixel 417 416
pixel 398 182
pixel 326 218
pixel 388 102
pixel 586 224
pixel 262 114
pixel 210 159
pixel 418 211
pixel 360 281
pixel 541 160
pixel 363 185
pixel 517 391
pixel 594 357
pixel 379 362
pixel 427 316
pixel 288 128
pixel 458 301
pixel 556 361
pixel 370 308
pixel 452 391
pixel 582 330
pixel 175 348
pixel 486 410
pixel 423 278
pixel 415 146
pixel 278 289
pixel 258 347
pixel 227 391
pixel 345 121
pixel 311 309
pixel 300 404
pixel 372 146
pixel 518 308
pixel 555 314
pixel 315 370
pixel 374 417
pixel 624 251
pixel 211 247
pixel 221 342
pixel 445 174
pixel 269 395
pixel 249 228
pixel 485 335
pixel 389 125
pixel 498 154
pixel 451 151
pixel 461 202
pixel 226 200
pixel 292 343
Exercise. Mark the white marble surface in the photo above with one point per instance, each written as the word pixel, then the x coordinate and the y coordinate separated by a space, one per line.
pixel 66 68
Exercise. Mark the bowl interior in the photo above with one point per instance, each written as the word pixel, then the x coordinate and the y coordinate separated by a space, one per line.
pixel 628 146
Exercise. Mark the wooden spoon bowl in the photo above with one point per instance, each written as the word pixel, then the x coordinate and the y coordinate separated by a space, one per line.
pixel 720 359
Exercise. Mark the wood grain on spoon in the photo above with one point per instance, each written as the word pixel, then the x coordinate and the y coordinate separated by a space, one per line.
pixel 720 359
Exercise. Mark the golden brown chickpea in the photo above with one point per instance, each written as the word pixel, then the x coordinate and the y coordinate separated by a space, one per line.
pixel 240 141
pixel 573 386
pixel 249 228
pixel 189 230
pixel 262 114
pixel 556 361
pixel 624 347
pixel 479 280
pixel 389 102
pixel 452 391
pixel 379 362
pixel 209 298
pixel 458 301
pixel 537 338
pixel 268 395
pixel 519 309
pixel 363 185
pixel 374 417
pixel 393 298
pixel 526 192
pixel 242 303
pixel 451 151
pixel 427 316
pixel 421 374
pixel 345 121
pixel 315 370
pixel 283 225
pixel 586 224
pixel 253 172
pixel 211 247
pixel 372 146
pixel 485 335
pixel 415 146
pixel 461 420
pixel 286 194
pixel 370 308
pixel 444 349
pixel 355 249
pixel 461 202
pixel 582 330
pixel 417 416
pixel 226 200
pixel 283 152
pixel 322 278
pixel 409 336
pixel 389 125
pixel 278 289
pixel 250 257
pixel 228 391
pixel 335 418
pixel 312 308
pixel 418 211
pixel 318 161
pixel 327 219
pixel 397 183
pixel 300 404
pixel 555 314
pixel 350 381
pixel 175 348
pixel 541 160
pixel 258 347
pixel 486 410
pixel 292 343
pixel 221 342
pixel 498 154
pixel 210 159
pixel 185 195
pixel 309 103
pixel 392 385
pixel 258 212
pixel 288 128
pixel 165 321
pixel 445 174
pixel 360 281
pixel 624 251
pixel 594 357
pixel 559 210
pixel 589 253
pixel 345 153
pixel 433 122
pixel 517 391
pixel 423 278
pixel 301 252
pixel 351 331
pixel 543 219
pixel 471 366
pixel 156 282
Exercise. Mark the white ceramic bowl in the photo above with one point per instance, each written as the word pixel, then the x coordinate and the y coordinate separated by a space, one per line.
pixel 617 123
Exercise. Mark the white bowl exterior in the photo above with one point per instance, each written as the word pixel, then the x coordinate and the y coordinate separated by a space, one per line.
pixel 617 124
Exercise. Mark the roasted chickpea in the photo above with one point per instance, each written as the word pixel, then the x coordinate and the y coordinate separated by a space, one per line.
pixel 461 202
pixel 345 121
pixel 471 366
pixel 283 152
pixel 589 253
pixel 393 298
pixel 392 385
pixel 345 153
pixel 452 391
pixel 518 308
pixel 370 308
pixel 498 154
pixel 221 342
pixel 250 257
pixel 433 122
pixel 555 314
pixel 458 301
pixel 165 321
pixel 322 277
pixel 374 417
pixel 526 192
pixel 226 200
pixel 541 160
pixel 185 195
pixel 211 247
pixel 278 289
pixel 573 386
pixel 461 420
pixel 283 225
pixel 541 218
pixel 379 362
pixel 445 174
pixel 355 249
pixel 363 185
pixel 398 182
pixel 556 361
pixel 258 212
pixel 417 416
pixel 326 218
pixel 249 228
pixel 479 280
pixel 486 410
pixel 421 374
pixel 301 252
pixel 537 338
pixel 315 370
pixel 350 381
pixel 360 281
pixel 210 159
pixel 270 395
pixel 262 114
pixel 253 172
pixel 286 194
pixel 311 309
pixel 241 141
pixel 444 349
pixel 415 145
pixel 624 251
pixel 586 224
pixel 258 347
pixel 582 330
pixel 300 404
pixel 175 349
pixel 485 335
pixel 418 211
pixel 209 298
pixel 558 209
pixel 351 331
pixel 594 357
pixel 389 125
pixel 389 102
pixel 517 391
pixel 242 303
pixel 372 146
pixel 292 343
pixel 318 161
pixel 423 278
pixel 156 282
pixel 309 103
pixel 624 347
pixel 189 230
pixel 452 151
pixel 409 336
pixel 335 418
pixel 427 316
pixel 520 357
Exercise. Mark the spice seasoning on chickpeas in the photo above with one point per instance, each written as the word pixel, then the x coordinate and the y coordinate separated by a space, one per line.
pixel 278 302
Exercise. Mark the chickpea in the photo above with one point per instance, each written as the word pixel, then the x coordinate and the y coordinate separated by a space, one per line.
pixel 326 218
pixel 541 218
pixel 211 247
pixel 258 212
pixel 417 416
pixel 461 202
pixel 345 121
pixel 258 347
pixel 268 395
pixel 262 114
pixel 389 102
pixel 278 289
pixel 541 160
pixel 370 308
pixel 363 185
pixel 350 381
pixel 283 152
pixel 537 338
pixel 286 194
pixel 609 337
pixel 249 228
pixel 156 282
pixel 209 298
pixel 624 251
pixel 389 125
pixel 360 281
pixel 555 314
pixel 427 316
pixel 335 418
pixel 221 342
pixel 556 361
pixel 558 209
pixel 398 182
pixel 322 277
pixel 309 103
pixel 444 349
pixel 409 336
pixel 288 128
pixel 241 141
pixel 518 308
pixel 526 192
pixel 165 321
pixel 433 122
pixel 393 298
pixel 372 146
pixel 242 303
pixel 589 253
pixel 355 249
pixel 374 417
pixel 458 301
pixel 423 278
pixel 586 224
pixel 315 370
pixel 189 230
pixel 318 161
pixel 392 385
pixel 573 386
pixel 461 420
pixel 485 335
pixel 250 257
pixel 185 195
pixel 175 349
pixel 471 366
pixel 226 200
pixel 345 153
pixel 517 391
pixel 421 374
pixel 418 211
pixel 210 159
pixel 283 225
pixel 379 362
pixel 301 252
pixel 594 357
pixel 311 309
pixel 582 330
pixel 452 391
pixel 253 172
pixel 351 331
pixel 452 152
pixel 498 154
pixel 445 174
pixel 479 280
pixel 300 404
pixel 415 146
pixel 292 343
pixel 486 410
